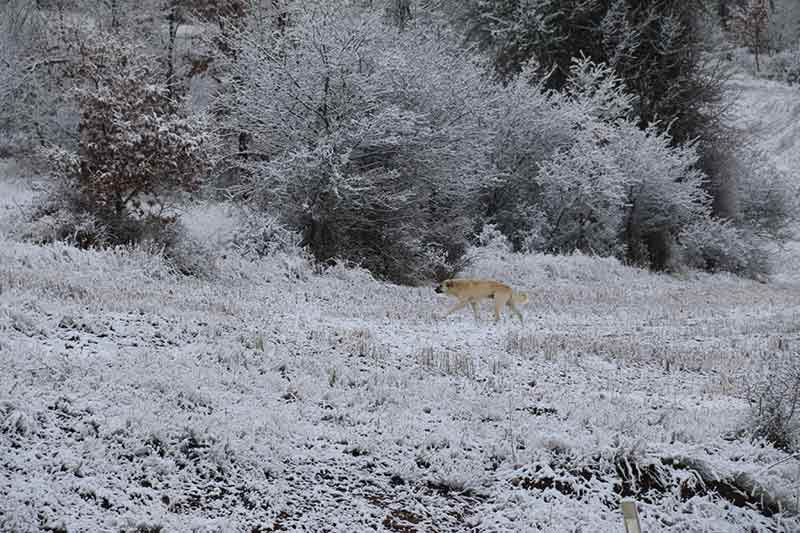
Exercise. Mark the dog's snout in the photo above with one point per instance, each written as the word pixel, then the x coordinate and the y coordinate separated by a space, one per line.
pixel 438 289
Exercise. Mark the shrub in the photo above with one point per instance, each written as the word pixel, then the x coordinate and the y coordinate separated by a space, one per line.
pixel 556 186
pixel 168 237
pixel 138 151
pixel 138 148
pixel 719 246
pixel 783 66
pixel 77 228
pixel 583 198
pixel 61 216
pixel 261 235
pixel 766 197
pixel 774 396
pixel 137 145
pixel 754 194
pixel 664 193
pixel 379 162
pixel 607 187
pixel 493 240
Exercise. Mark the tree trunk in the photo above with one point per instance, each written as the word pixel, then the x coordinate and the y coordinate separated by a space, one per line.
pixel 634 254
pixel 400 12
pixel 756 43
pixel 172 19
pixel 658 248
pixel 114 15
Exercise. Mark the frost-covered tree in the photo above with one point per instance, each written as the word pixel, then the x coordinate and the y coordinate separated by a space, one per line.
pixel 548 155
pixel 664 193
pixel 784 24
pixel 515 31
pixel 656 47
pixel 583 190
pixel 366 140
pixel 177 13
pixel 137 145
pixel 530 124
pixel 630 190
pixel 33 110
pixel 750 23
pixel 12 26
pixel 583 175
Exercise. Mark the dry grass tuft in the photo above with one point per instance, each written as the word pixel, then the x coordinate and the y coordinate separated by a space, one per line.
pixel 446 362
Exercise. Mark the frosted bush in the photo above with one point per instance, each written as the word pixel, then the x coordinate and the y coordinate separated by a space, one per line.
pixel 766 197
pixel 262 235
pixel 774 395
pixel 784 66
pixel 379 167
pixel 492 239
pixel 81 229
pixel 138 151
pixel 719 246
pixel 581 174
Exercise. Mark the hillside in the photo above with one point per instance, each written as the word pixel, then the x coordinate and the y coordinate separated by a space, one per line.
pixel 770 113
pixel 220 223
pixel 275 397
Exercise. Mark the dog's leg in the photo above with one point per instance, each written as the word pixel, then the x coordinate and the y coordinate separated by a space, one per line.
pixel 475 310
pixel 499 301
pixel 515 311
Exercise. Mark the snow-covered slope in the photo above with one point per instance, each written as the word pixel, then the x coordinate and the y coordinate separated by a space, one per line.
pixel 769 112
pixel 276 398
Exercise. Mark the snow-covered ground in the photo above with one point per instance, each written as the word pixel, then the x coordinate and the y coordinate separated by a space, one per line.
pixel 769 111
pixel 275 397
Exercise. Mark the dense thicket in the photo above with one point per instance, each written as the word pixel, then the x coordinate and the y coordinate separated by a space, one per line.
pixel 380 135
pixel 655 46
pixel 369 142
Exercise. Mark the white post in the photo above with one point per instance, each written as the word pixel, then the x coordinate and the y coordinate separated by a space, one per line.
pixel 631 516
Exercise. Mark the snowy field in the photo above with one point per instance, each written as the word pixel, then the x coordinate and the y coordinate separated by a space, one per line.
pixel 273 397
pixel 769 112
pixel 277 397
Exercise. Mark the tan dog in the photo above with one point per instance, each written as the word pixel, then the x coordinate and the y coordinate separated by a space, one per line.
pixel 471 291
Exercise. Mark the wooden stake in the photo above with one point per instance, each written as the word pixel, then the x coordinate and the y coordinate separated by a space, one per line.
pixel 631 516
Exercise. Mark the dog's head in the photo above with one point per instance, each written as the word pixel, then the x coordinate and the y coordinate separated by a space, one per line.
pixel 442 287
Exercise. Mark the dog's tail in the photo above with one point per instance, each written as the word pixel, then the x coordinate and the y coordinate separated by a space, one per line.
pixel 519 297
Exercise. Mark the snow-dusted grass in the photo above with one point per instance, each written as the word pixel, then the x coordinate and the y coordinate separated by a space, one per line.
pixel 15 192
pixel 273 396
pixel 769 111
pixel 213 224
